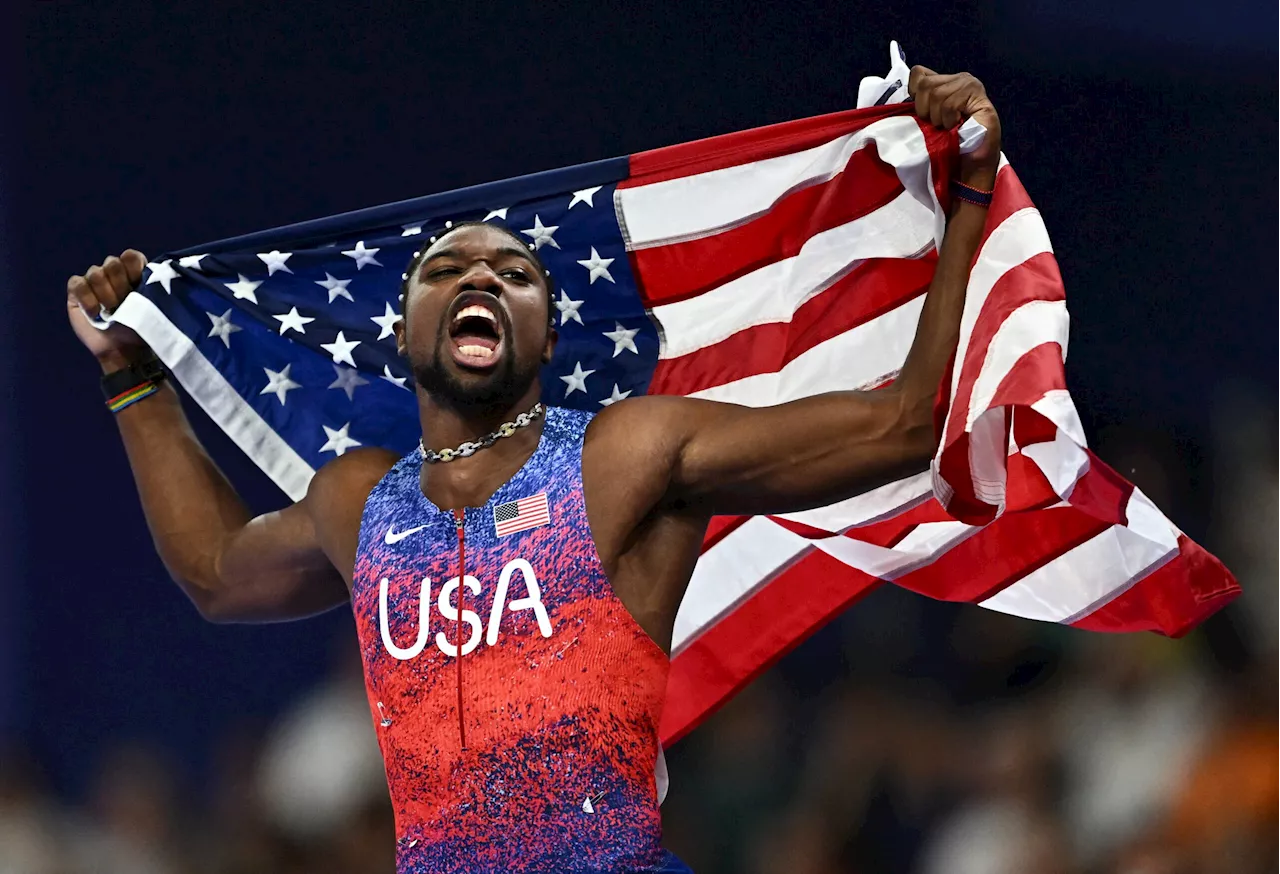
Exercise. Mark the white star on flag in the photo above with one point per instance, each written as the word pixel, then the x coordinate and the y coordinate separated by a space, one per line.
pixel 222 327
pixel 411 230
pixel 569 309
pixel 597 266
pixel 362 255
pixel 340 349
pixel 245 289
pixel 279 383
pixel 577 381
pixel 347 380
pixel 293 320
pixel 498 213
pixel 392 378
pixel 192 261
pixel 386 322
pixel 339 439
pixel 584 196
pixel 541 233
pixel 275 261
pixel 336 287
pixel 615 397
pixel 162 273
pixel 623 338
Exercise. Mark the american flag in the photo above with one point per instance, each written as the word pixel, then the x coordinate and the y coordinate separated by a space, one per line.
pixel 751 268
pixel 521 515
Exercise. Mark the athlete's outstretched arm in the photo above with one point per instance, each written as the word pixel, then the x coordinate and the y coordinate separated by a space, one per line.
pixel 232 566
pixel 729 459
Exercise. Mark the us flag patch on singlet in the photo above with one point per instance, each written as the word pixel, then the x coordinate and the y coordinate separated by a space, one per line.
pixel 521 515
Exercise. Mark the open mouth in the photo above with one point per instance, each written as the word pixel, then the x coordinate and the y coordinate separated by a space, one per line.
pixel 476 335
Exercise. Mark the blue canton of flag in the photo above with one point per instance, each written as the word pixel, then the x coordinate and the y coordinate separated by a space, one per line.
pixel 285 337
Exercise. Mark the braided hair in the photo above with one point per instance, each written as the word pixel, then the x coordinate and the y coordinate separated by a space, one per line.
pixel 416 261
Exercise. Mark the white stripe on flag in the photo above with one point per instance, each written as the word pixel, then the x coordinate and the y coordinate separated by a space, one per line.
pixel 1076 582
pixel 1019 237
pixel 873 506
pixel 1061 460
pixel 217 397
pixel 924 544
pixel 773 293
pixel 858 357
pixel 1034 323
pixel 1056 406
pixel 704 203
pixel 727 573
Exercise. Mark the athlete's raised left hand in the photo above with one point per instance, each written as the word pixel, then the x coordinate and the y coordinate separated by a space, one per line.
pixel 948 99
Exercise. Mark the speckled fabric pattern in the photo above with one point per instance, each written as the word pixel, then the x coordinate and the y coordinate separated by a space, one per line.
pixel 561 690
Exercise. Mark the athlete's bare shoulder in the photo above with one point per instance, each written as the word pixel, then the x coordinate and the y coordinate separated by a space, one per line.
pixel 627 455
pixel 337 494
pixel 349 478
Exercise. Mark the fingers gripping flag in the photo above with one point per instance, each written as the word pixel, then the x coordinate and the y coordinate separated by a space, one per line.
pixel 752 268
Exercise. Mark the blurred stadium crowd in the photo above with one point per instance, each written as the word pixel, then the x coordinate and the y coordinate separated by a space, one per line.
pixel 909 737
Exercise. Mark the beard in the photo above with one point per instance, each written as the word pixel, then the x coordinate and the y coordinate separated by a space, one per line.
pixel 494 392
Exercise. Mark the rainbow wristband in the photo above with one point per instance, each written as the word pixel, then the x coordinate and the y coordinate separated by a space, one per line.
pixel 132 396
pixel 969 194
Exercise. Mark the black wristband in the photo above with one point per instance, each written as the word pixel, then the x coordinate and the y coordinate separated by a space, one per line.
pixel 147 370
pixel 968 193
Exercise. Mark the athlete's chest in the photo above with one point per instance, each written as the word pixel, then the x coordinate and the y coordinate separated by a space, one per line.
pixel 482 576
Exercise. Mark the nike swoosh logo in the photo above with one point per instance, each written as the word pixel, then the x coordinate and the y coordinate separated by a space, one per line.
pixel 393 536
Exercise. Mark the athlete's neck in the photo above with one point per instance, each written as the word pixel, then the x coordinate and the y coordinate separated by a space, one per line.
pixel 469 482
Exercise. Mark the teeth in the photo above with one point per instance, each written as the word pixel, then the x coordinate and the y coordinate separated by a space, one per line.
pixel 474 310
pixel 476 351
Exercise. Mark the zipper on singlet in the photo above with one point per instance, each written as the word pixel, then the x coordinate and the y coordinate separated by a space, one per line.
pixel 460 522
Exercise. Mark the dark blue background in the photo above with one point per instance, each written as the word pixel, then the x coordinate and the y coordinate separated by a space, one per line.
pixel 1148 140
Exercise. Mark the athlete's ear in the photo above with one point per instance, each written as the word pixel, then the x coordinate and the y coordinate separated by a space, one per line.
pixel 402 348
pixel 549 348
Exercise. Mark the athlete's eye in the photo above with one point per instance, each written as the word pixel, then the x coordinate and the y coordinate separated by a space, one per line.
pixel 517 274
pixel 442 272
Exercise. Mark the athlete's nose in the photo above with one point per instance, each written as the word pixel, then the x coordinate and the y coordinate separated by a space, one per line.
pixel 481 277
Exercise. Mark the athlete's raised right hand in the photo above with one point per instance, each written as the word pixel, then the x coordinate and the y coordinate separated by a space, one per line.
pixel 106 286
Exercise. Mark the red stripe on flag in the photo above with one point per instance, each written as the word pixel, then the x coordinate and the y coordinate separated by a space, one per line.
pixel 1037 278
pixel 746 641
pixel 772 622
pixel 889 532
pixel 1002 553
pixel 1026 486
pixel 1010 196
pixel 757 144
pixel 1102 492
pixel 802 529
pixel 1030 427
pixel 944 148
pixel 678 271
pixel 1171 600
pixel 1037 371
pixel 721 527
pixel 873 289
pixel 1016 544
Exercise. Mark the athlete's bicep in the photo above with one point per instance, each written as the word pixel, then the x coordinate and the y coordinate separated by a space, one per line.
pixel 728 459
pixel 298 561
pixel 275 569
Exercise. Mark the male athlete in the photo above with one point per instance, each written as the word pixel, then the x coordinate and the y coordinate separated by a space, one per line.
pixel 519 726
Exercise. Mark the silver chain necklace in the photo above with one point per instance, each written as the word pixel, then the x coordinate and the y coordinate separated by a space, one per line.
pixel 430 456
